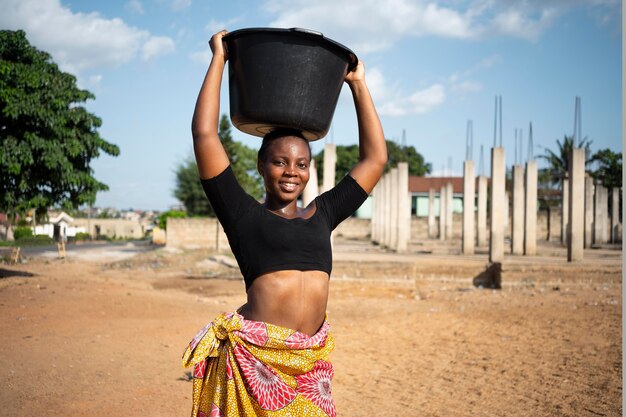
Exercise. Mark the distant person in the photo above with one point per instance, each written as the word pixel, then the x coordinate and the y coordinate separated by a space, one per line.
pixel 270 357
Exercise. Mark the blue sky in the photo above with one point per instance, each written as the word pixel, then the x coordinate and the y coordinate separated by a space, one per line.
pixel 431 67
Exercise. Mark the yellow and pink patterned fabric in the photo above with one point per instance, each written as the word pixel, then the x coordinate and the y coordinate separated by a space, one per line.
pixel 252 368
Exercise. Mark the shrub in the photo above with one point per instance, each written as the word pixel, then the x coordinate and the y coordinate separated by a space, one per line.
pixel 39 240
pixel 172 213
pixel 81 236
pixel 22 232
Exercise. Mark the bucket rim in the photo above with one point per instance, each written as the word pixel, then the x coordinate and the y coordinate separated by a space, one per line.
pixel 353 60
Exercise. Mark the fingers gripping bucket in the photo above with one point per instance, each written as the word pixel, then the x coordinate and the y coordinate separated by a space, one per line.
pixel 285 78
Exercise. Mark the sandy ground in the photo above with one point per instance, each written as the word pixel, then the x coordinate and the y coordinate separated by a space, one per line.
pixel 102 334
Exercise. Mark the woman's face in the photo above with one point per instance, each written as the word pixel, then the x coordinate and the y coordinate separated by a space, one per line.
pixel 285 169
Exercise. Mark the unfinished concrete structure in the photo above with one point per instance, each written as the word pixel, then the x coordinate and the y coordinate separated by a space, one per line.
pixel 589 191
pixel 497 209
pixel 517 226
pixel 404 208
pixel 530 211
pixel 391 216
pixel 432 226
pixel 564 209
pixel 449 210
pixel 393 220
pixel 615 215
pixel 469 184
pixel 443 198
pixel 576 224
pixel 481 229
pixel 311 190
pixel 374 220
pixel 387 211
pixel 330 161
pixel 601 205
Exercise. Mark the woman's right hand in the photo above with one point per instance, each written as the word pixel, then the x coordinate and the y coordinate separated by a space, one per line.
pixel 217 45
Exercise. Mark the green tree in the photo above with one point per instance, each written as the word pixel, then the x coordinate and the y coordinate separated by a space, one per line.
pixel 558 162
pixel 48 138
pixel 242 159
pixel 189 190
pixel 398 153
pixel 609 171
pixel 348 156
pixel 243 162
pixel 550 177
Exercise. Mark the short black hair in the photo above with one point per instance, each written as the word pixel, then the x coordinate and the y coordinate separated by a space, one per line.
pixel 277 134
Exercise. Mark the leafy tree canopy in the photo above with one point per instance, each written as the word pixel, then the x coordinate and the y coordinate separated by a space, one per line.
pixel 348 156
pixel 243 161
pixel 558 162
pixel 48 138
pixel 609 171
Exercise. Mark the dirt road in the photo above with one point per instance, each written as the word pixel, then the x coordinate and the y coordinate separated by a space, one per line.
pixel 103 336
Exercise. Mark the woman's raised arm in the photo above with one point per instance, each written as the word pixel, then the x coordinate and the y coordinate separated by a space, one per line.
pixel 372 145
pixel 210 154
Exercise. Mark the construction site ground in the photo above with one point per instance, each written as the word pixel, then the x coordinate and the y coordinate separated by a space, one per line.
pixel 101 332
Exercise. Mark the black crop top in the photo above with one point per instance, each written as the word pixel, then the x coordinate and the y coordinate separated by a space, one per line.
pixel 266 242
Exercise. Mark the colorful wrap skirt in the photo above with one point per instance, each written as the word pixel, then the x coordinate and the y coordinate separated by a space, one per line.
pixel 251 368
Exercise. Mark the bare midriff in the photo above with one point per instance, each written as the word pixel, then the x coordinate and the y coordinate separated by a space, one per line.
pixel 292 299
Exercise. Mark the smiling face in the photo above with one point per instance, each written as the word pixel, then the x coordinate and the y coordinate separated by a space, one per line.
pixel 285 169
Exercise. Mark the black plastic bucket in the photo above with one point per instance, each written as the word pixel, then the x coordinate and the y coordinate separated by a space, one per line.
pixel 285 78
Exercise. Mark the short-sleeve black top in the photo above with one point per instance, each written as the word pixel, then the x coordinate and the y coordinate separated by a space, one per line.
pixel 265 242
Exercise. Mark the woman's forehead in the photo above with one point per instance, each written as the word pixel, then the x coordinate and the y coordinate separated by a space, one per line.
pixel 293 143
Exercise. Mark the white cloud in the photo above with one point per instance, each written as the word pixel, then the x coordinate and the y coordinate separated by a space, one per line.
pixel 392 101
pixel 466 87
pixel 372 25
pixel 202 56
pixel 78 41
pixel 155 46
pixel 135 6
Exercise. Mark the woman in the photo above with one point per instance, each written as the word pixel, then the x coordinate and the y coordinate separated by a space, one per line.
pixel 271 356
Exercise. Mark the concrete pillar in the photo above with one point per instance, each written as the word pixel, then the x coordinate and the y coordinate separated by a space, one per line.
pixel 387 211
pixel 497 209
pixel 449 210
pixel 432 231
pixel 469 194
pixel 517 226
pixel 589 190
pixel 330 160
pixel 404 208
pixel 482 211
pixel 530 218
pixel 393 239
pixel 311 190
pixel 615 215
pixel 380 208
pixel 564 209
pixel 576 225
pixel 597 215
pixel 443 198
pixel 374 220
pixel 507 214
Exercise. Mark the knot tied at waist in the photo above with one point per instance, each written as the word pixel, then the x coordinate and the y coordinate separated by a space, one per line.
pixel 208 341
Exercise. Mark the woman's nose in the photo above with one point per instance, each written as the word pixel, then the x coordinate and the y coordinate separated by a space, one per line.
pixel 290 169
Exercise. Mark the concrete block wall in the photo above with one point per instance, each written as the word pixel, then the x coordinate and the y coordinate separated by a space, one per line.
pixel 119 228
pixel 196 233
pixel 201 232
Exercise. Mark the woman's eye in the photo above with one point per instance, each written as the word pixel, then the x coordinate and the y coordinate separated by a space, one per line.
pixel 302 166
